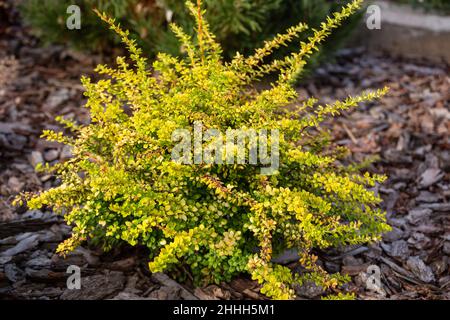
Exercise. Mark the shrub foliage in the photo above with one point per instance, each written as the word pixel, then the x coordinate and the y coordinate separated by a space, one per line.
pixel 238 25
pixel 215 221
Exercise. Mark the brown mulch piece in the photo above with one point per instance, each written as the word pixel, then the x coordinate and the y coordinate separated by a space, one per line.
pixel 408 129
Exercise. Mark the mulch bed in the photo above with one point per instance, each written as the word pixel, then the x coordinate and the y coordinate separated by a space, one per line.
pixel 408 130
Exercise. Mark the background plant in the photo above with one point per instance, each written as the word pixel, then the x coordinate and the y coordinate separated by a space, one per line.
pixel 215 221
pixel 238 25
pixel 441 6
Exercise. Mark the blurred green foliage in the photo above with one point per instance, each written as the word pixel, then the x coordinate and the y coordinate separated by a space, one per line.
pixel 240 25
pixel 441 6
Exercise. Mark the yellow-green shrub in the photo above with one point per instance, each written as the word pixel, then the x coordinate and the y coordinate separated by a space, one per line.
pixel 214 220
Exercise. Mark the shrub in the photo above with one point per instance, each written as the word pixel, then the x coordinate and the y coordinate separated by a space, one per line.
pixel 213 220
pixel 239 25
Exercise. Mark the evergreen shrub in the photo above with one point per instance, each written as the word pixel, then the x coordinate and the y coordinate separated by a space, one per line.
pixel 238 25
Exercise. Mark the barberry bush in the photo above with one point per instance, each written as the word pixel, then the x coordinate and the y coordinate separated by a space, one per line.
pixel 214 221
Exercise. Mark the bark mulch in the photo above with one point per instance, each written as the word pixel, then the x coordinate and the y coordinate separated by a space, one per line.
pixel 408 131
